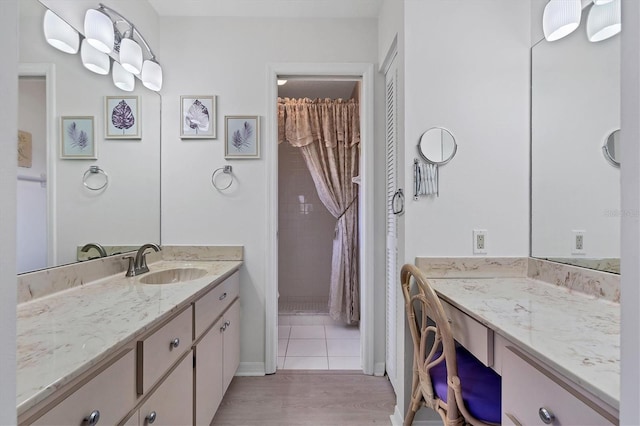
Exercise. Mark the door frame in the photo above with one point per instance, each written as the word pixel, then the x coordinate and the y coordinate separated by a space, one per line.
pixel 364 72
pixel 48 71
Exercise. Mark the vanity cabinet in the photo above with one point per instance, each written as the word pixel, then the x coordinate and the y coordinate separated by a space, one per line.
pixel 532 395
pixel 108 397
pixel 473 335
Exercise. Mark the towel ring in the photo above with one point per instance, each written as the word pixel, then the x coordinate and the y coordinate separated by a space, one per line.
pixel 92 171
pixel 226 170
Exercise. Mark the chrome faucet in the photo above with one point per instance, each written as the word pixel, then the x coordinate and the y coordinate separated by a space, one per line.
pixel 138 265
pixel 98 247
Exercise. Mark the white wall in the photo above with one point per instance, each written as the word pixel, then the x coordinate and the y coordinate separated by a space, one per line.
pixel 133 165
pixel 228 57
pixel 467 69
pixel 32 196
pixel 630 178
pixel 575 106
pixel 8 166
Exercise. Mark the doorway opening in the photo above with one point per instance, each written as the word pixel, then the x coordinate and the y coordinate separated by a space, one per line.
pixel 332 72
pixel 317 330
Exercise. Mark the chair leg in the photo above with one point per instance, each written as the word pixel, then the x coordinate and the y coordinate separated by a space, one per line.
pixel 414 406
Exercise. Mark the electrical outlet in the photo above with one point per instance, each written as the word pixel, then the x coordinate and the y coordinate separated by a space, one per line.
pixel 577 242
pixel 479 241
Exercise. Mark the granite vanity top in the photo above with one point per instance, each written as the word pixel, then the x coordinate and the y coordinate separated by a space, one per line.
pixel 63 335
pixel 577 335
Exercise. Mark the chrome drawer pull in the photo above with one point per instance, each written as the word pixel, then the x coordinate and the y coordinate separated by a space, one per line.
pixel 151 417
pixel 224 296
pixel 227 324
pixel 546 416
pixel 93 418
pixel 174 343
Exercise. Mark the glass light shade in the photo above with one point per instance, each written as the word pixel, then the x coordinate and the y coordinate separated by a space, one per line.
pixel 59 34
pixel 131 56
pixel 98 29
pixel 152 75
pixel 94 60
pixel 561 18
pixel 604 21
pixel 600 2
pixel 122 78
pixel 282 82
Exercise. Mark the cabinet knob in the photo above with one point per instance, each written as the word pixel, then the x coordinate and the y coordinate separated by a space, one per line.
pixel 174 343
pixel 93 418
pixel 151 417
pixel 546 416
pixel 224 296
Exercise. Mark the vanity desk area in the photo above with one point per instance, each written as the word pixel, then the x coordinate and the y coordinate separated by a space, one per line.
pixel 109 349
pixel 551 331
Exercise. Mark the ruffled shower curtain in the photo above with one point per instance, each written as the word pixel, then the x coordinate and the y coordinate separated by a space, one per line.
pixel 328 135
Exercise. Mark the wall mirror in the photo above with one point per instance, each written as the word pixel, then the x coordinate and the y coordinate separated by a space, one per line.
pixel 575 105
pixel 611 148
pixel 437 146
pixel 57 217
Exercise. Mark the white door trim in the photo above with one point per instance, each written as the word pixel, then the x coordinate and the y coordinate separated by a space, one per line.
pixel 48 71
pixel 365 71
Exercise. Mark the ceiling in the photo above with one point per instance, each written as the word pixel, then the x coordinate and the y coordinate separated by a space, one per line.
pixel 314 89
pixel 269 8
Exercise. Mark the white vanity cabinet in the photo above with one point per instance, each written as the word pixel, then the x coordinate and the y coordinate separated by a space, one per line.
pixel 533 395
pixel 217 346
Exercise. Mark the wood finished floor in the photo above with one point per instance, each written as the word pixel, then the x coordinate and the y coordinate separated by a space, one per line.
pixel 307 398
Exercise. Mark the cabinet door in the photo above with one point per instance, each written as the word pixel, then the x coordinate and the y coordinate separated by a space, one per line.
pixel 231 346
pixel 208 374
pixel 172 401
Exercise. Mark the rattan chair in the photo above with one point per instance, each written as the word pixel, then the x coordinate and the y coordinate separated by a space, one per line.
pixel 446 377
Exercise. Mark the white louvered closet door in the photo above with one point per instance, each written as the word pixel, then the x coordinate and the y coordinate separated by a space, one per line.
pixel 391 81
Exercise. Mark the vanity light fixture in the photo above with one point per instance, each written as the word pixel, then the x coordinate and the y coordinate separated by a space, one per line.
pixel 281 82
pixel 59 34
pixel 604 20
pixel 108 35
pixel 561 18
pixel 122 78
pixel 93 59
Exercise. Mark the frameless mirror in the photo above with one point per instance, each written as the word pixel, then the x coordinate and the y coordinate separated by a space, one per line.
pixel 611 148
pixel 575 195
pixel 59 216
pixel 437 146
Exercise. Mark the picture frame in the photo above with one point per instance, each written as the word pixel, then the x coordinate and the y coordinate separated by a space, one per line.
pixel 198 117
pixel 77 138
pixel 242 136
pixel 122 119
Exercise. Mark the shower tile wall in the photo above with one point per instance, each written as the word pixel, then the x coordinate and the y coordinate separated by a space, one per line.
pixel 305 236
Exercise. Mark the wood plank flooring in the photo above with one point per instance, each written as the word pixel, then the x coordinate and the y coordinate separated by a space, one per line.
pixel 298 398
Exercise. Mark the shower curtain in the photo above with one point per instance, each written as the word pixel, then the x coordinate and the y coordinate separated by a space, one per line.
pixel 328 135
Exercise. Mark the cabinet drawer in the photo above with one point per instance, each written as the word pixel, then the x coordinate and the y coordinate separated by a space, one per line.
pixel 171 403
pixel 527 388
pixel 157 352
pixel 210 306
pixel 112 393
pixel 474 336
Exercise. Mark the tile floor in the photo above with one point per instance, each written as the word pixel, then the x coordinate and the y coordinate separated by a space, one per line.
pixel 319 347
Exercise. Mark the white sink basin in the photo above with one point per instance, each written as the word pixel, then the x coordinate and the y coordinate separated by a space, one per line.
pixel 172 276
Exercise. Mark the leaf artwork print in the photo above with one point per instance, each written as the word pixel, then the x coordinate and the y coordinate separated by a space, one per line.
pixel 122 116
pixel 79 139
pixel 241 138
pixel 197 117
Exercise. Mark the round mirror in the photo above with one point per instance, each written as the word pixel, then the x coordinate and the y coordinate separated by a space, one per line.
pixel 611 148
pixel 437 146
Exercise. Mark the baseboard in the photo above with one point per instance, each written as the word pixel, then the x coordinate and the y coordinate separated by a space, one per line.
pixel 379 369
pixel 251 369
pixel 397 419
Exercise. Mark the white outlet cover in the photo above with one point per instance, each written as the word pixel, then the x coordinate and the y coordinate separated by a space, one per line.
pixel 574 236
pixel 476 234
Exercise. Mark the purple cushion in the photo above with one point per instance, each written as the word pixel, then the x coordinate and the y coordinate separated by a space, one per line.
pixel 481 386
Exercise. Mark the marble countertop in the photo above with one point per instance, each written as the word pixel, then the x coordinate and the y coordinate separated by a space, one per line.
pixel 575 334
pixel 63 335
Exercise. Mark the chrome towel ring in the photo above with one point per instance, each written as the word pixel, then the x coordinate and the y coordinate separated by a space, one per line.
pixel 93 170
pixel 225 170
